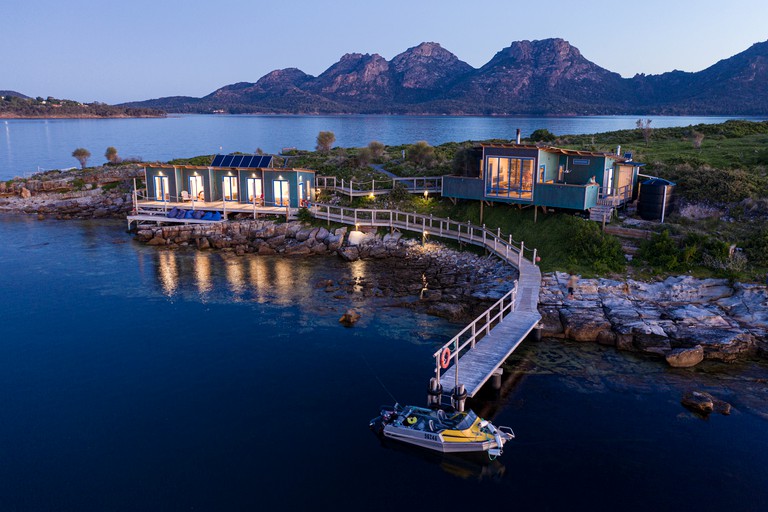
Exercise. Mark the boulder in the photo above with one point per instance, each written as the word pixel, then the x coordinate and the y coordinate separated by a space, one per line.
pixel 704 403
pixel 349 318
pixel 157 240
pixel 685 357
pixel 450 310
pixel 25 193
pixel 583 324
pixel 203 243
pixel 350 253
pixel 552 327
pixel 266 250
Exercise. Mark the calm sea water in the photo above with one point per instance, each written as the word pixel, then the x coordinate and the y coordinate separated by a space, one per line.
pixel 133 378
pixel 31 144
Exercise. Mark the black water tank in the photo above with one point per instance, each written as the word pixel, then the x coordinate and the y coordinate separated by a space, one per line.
pixel 656 196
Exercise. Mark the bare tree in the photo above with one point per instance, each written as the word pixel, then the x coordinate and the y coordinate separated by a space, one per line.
pixel 645 128
pixel 364 157
pixel 325 141
pixel 698 138
pixel 82 155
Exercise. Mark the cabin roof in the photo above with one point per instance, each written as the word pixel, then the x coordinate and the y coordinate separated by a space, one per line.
pixel 560 151
pixel 205 168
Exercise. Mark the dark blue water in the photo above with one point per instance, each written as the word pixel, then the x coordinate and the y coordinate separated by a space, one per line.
pixel 133 378
pixel 29 144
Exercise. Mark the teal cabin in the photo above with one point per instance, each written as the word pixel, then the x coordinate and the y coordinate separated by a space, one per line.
pixel 544 176
pixel 235 179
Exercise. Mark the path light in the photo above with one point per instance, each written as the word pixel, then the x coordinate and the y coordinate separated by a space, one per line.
pixel 426 193
pixel 371 196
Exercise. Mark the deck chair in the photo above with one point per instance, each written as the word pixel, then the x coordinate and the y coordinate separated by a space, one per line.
pixel 185 196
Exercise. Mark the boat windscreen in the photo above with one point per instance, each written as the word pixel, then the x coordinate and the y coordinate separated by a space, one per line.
pixel 467 422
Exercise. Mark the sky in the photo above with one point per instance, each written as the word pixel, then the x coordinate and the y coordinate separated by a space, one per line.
pixel 100 50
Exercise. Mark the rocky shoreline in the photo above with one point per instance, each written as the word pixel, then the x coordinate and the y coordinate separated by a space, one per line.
pixel 457 285
pixel 101 193
pixel 682 319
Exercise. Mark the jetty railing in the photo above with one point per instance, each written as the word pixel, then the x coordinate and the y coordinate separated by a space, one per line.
pixel 475 331
pixel 352 188
pixel 504 247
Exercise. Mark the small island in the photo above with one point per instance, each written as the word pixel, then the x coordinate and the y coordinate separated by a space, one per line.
pixel 17 106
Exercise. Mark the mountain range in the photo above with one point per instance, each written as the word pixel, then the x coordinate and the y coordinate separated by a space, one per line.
pixel 549 76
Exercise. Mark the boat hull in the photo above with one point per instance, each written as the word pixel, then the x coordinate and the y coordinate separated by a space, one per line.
pixel 434 441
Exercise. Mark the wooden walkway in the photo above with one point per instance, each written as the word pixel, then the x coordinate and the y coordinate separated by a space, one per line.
pixel 483 345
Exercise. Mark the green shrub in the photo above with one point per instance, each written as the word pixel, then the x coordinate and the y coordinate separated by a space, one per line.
pixel 78 184
pixel 661 252
pixel 304 215
pixel 590 246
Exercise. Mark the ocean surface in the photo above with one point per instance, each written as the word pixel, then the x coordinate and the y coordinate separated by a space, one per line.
pixel 30 145
pixel 135 378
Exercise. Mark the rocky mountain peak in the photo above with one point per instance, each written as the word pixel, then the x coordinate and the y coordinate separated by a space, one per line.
pixel 427 66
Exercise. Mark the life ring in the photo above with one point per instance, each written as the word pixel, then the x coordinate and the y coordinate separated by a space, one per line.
pixel 445 358
pixel 411 420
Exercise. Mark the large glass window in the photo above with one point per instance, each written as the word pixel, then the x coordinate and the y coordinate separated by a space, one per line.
pixel 196 189
pixel 282 196
pixel 230 188
pixel 255 192
pixel 161 188
pixel 510 177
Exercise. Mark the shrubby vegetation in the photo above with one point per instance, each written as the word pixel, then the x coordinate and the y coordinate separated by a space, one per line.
pixel 13 106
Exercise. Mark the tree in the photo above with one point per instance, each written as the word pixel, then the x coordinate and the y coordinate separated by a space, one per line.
pixel 422 153
pixel 542 135
pixel 698 138
pixel 325 141
pixel 364 156
pixel 111 155
pixel 377 149
pixel 645 128
pixel 82 155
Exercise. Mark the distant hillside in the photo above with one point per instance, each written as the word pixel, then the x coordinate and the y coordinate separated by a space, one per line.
pixel 14 94
pixel 14 105
pixel 529 77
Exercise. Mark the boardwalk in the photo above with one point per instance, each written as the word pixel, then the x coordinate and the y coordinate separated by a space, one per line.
pixel 483 346
pixel 429 185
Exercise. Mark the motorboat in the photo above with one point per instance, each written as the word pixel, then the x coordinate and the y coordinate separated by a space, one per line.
pixel 443 430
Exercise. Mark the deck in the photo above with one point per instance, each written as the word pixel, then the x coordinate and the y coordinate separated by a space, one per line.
pixel 148 210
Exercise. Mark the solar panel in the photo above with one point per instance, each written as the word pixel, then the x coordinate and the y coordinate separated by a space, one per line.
pixel 248 161
pixel 236 161
pixel 226 161
pixel 266 161
pixel 242 161
pixel 217 161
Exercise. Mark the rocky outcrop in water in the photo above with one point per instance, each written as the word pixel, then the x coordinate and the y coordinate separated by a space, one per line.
pixel 681 318
pixel 75 194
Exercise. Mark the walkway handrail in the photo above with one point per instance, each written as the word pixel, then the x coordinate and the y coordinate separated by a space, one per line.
pixel 505 247
pixel 505 305
pixel 415 185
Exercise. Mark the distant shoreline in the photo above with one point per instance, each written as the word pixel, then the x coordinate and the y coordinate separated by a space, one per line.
pixel 81 116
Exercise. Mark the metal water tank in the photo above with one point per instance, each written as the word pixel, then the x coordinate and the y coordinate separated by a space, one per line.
pixel 657 199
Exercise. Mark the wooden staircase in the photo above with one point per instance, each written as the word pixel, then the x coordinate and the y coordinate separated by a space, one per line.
pixel 601 212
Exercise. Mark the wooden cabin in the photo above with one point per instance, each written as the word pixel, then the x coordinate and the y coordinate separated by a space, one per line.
pixel 236 179
pixel 544 176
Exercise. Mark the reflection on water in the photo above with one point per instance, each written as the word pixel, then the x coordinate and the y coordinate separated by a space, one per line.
pixel 476 466
pixel 167 272
pixel 203 273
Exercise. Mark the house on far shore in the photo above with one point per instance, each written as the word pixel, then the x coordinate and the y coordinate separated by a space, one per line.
pixel 233 179
pixel 531 175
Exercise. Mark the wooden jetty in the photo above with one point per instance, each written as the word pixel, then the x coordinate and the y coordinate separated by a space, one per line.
pixel 475 354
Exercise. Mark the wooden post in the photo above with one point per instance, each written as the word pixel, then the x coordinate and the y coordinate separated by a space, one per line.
pixel 534 255
pixel 535 213
pixel 481 210
pixel 520 255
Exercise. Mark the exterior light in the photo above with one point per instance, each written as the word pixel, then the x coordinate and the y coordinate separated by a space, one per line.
pixel 426 193
pixel 371 196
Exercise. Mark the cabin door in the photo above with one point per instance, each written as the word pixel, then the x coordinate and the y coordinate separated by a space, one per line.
pixel 230 188
pixel 161 188
pixel 282 195
pixel 196 188
pixel 255 192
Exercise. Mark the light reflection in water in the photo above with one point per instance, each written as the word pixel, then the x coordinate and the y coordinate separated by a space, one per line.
pixel 283 284
pixel 168 271
pixel 257 268
pixel 235 277
pixel 203 273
